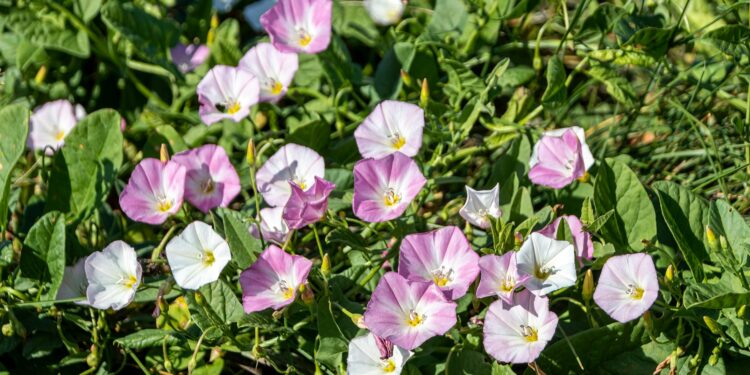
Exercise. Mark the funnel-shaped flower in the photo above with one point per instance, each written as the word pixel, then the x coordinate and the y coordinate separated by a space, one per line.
pixel 74 282
pixel 51 123
pixel 306 207
pixel 299 25
pixel 584 245
pixel 273 280
pixel 500 276
pixel 272 225
pixel 187 57
pixel 588 158
pixel 408 312
pixel 627 286
pixel 517 333
pixel 154 191
pixel 549 263
pixel 481 205
pixel 442 256
pixel 383 188
pixel 557 160
pixel 292 163
pixel 371 355
pixel 113 275
pixel 197 256
pixel 392 126
pixel 211 180
pixel 273 68
pixel 227 93
pixel 385 12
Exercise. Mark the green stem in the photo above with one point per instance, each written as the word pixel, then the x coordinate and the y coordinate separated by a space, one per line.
pixel 317 240
pixel 157 251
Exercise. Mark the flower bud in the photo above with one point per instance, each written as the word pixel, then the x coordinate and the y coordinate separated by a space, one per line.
pixel 359 321
pixel 713 244
pixel 308 297
pixel 8 330
pixel 648 321
pixel 741 312
pixel 192 364
pixel 406 78
pixel 588 286
pixel 669 275
pixel 163 153
pixel 40 75
pixel 325 267
pixel 712 324
pixel 424 95
pixel 723 243
pixel 518 238
pixel 199 297
pixel 250 156
pixel 168 365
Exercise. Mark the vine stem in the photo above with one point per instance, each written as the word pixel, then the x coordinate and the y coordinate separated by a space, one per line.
pixel 157 251
pixel 317 240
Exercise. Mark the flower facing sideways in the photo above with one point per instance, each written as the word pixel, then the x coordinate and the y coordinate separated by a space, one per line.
pixel 550 264
pixel 154 191
pixel 210 181
pixel 627 286
pixel 187 57
pixel 292 163
pixel 383 188
pixel 307 207
pixel 272 225
pixel 51 123
pixel 583 244
pixel 408 312
pixel 481 205
pixel 273 280
pixel 371 355
pixel 392 126
pixel 557 160
pixel 226 93
pixel 113 275
pixel 385 12
pixel 273 68
pixel 299 25
pixel 74 282
pixel 197 256
pixel 499 276
pixel 442 256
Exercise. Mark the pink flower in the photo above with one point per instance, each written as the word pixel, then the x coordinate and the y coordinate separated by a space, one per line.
pixel 584 245
pixel 272 225
pixel 226 93
pixel 500 276
pixel 211 180
pixel 383 188
pixel 557 160
pixel 273 68
pixel 408 313
pixel 51 123
pixel 627 286
pixel 443 257
pixel 392 126
pixel 299 25
pixel 187 57
pixel 306 207
pixel 294 163
pixel 273 280
pixel 154 191
pixel 517 333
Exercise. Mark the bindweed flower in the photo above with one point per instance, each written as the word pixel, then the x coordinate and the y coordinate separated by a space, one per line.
pixel 559 157
pixel 272 225
pixel 113 275
pixel 227 93
pixel 627 286
pixel 481 205
pixel 499 276
pixel 549 263
pixel 306 207
pixel 385 12
pixel 51 123
pixel 408 312
pixel 299 25
pixel 443 257
pixel 517 332
pixel 253 12
pixel 210 180
pixel 273 68
pixel 292 163
pixel 383 188
pixel 187 57
pixel 392 126
pixel 371 355
pixel 583 244
pixel 273 280
pixel 197 256
pixel 154 191
pixel 74 282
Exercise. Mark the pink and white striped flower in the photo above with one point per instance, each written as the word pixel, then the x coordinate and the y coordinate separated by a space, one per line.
pixel 392 126
pixel 560 157
pixel 227 93
pixel 211 181
pixel 302 26
pixel 371 355
pixel 292 163
pixel 273 68
pixel 499 276
pixel 627 286
pixel 154 191
pixel 272 225
pixel 273 280
pixel 583 244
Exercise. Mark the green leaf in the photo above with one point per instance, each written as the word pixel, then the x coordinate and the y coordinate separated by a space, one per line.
pixel 597 225
pixel 737 328
pixel 243 246
pixel 508 9
pixel 87 9
pixel 449 16
pixel 726 221
pixel 85 168
pixel 618 188
pixel 48 32
pixel 388 81
pixel 587 212
pixel 728 292
pixel 333 343
pixel 164 134
pixel 220 306
pixel 556 92
pixel 733 40
pixel 14 127
pixel 148 338
pixel 616 84
pixel 43 257
pixel 226 47
pixel 314 134
pixel 468 362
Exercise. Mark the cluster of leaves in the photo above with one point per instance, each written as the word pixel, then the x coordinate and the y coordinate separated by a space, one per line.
pixel 660 86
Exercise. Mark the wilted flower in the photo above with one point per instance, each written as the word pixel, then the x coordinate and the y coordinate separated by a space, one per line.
pixel 559 158
pixel 113 275
pixel 385 12
pixel 227 93
pixel 583 244
pixel 517 332
pixel 481 205
pixel 549 263
pixel 272 225
pixel 306 207
pixel 499 276
pixel 51 123
pixel 299 25
pixel 253 12
pixel 273 280
pixel 154 191
pixel 371 355
pixel 197 256
pixel 187 57
pixel 210 181
pixel 74 282
pixel 392 126
pixel 408 312
pixel 273 68
pixel 442 256
pixel 383 188
pixel 292 163
pixel 627 286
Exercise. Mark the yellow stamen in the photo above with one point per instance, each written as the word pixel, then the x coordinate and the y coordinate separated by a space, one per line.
pixel 130 281
pixel 507 285
pixel 164 205
pixel 208 186
pixel 276 88
pixel 391 198
pixel 234 108
pixel 398 142
pixel 305 39
pixel 389 366
pixel 441 281
pixel 60 135
pixel 301 184
pixel 530 333
pixel 585 178
pixel 414 319
pixel 208 258
pixel 542 273
pixel 635 292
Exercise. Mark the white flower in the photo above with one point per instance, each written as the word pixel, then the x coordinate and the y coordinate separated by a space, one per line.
pixel 74 282
pixel 549 263
pixel 588 158
pixel 385 12
pixel 197 256
pixel 272 225
pixel 480 205
pixel 113 275
pixel 370 355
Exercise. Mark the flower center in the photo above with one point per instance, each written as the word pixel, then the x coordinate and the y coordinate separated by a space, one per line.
pixel 299 182
pixel 130 281
pixel 634 292
pixel 398 141
pixel 285 290
pixel 441 277
pixel 276 88
pixel 530 333
pixel 304 37
pixel 234 108
pixel 207 256
pixel 391 197
pixel 415 318
pixel 543 272
pixel 164 205
pixel 60 135
pixel 508 284
pixel 389 365
pixel 208 186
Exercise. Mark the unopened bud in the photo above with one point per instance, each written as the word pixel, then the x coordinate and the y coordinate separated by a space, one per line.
pixel 648 321
pixel 260 120
pixel 40 75
pixel 91 360
pixel 168 365
pixel 8 330
pixel 277 314
pixel 214 21
pixel 585 178
pixel 325 266
pixel 723 243
pixel 359 320
pixel 308 297
pixel 199 297
pixel 406 78
pixel 424 95
pixel 712 325
pixel 216 353
pixel 518 238
pixel 741 312
pixel 163 153
pixel 192 364
pixel 713 243
pixel 250 155
pixel 669 275
pixel 588 286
